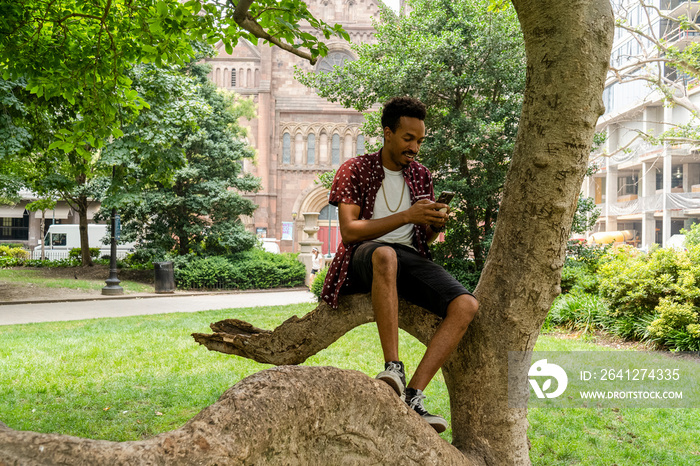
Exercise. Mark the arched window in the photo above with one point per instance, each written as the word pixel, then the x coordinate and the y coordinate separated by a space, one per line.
pixel 335 149
pixel 333 59
pixel 286 149
pixel 311 149
pixel 360 145
pixel 233 78
pixel 328 211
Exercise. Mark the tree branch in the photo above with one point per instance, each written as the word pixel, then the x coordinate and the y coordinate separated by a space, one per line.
pixel 297 339
pixel 247 22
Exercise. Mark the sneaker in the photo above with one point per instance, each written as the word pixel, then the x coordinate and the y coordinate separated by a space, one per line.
pixel 414 400
pixel 393 374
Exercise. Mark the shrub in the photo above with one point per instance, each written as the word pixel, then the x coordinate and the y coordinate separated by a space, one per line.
pixel 580 252
pixel 68 262
pixel 576 277
pixel 76 253
pixel 206 272
pixel 143 258
pixel 577 311
pixel 7 261
pixel 246 270
pixel 13 251
pixel 317 284
pixel 633 283
pixel 676 325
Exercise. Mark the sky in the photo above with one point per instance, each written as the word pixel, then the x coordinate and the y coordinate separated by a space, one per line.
pixel 394 4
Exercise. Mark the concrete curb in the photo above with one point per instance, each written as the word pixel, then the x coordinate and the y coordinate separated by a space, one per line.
pixel 151 295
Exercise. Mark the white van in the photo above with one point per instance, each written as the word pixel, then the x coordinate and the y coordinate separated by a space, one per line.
pixel 60 239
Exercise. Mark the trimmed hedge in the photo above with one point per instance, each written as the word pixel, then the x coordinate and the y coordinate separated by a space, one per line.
pixel 254 269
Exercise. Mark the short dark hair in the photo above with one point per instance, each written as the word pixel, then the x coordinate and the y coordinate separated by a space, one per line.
pixel 397 107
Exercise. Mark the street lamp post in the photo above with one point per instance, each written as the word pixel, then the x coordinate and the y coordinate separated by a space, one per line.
pixel 113 281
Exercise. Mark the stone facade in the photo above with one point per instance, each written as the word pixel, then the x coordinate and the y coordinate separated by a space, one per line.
pixel 296 134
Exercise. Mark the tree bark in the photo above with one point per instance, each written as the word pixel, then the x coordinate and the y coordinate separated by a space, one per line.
pixel 281 416
pixel 568 49
pixel 82 206
pixel 297 339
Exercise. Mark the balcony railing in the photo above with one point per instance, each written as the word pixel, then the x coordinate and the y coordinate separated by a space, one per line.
pixel 675 201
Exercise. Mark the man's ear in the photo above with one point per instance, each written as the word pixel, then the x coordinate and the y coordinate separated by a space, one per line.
pixel 387 132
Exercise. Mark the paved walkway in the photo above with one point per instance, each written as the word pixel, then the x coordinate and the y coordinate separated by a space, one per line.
pixel 11 314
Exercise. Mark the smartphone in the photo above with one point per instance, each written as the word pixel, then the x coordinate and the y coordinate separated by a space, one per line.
pixel 445 198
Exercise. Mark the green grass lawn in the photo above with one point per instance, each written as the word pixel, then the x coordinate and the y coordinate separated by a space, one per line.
pixel 35 277
pixel 134 377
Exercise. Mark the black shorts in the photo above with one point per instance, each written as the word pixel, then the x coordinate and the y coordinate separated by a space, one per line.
pixel 419 280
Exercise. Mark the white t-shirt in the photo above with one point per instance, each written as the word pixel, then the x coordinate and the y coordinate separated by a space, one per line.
pixel 316 261
pixel 398 197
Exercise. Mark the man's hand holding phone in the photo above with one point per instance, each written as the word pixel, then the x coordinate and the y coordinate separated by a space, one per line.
pixel 444 198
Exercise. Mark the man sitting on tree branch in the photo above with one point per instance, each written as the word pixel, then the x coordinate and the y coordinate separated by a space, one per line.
pixel 388 216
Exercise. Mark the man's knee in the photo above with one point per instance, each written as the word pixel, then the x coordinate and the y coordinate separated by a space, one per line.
pixel 384 260
pixel 464 307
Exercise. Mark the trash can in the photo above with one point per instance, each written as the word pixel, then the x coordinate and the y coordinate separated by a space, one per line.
pixel 165 277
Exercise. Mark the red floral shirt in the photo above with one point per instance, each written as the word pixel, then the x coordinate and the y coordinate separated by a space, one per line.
pixel 357 182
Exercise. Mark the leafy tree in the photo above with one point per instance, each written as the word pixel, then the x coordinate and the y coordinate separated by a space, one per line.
pixel 466 64
pixel 81 177
pixel 71 63
pixel 200 210
pixel 585 216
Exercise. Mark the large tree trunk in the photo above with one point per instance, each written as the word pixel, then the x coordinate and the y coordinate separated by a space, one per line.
pixel 568 49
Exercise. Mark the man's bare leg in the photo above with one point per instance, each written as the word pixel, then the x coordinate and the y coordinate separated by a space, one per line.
pixel 385 300
pixel 460 313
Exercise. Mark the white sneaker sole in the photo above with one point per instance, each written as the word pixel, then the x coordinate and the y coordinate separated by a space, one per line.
pixel 393 380
pixel 436 422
